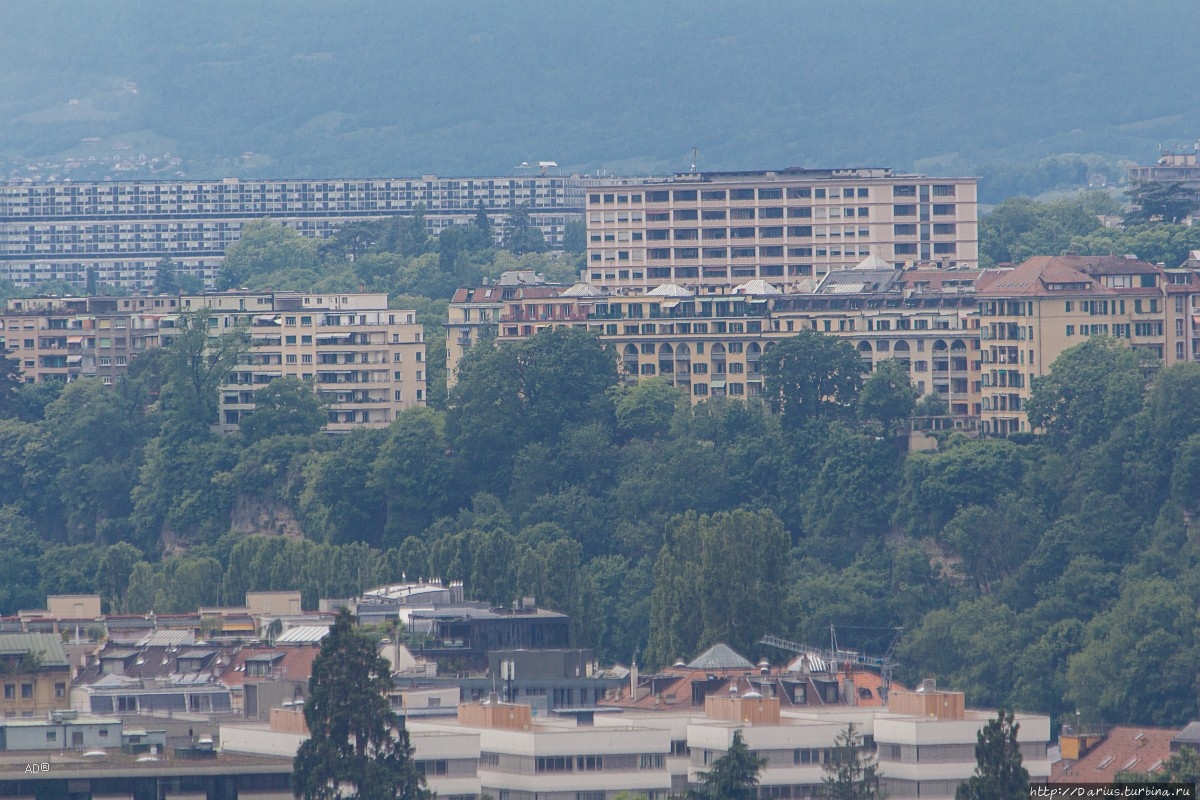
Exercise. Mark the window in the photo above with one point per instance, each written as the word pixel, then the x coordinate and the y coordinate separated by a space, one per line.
pixel 943 209
pixel 10 691
pixel 944 228
pixel 770 194
pixel 904 190
pixel 713 194
pixel 685 195
pixel 943 190
pixel 60 689
pixel 26 691
pixel 51 736
pixel 713 213
pixel 553 763
pixel 909 229
pixel 685 214
pixel 660 196
pixel 741 194
pixel 799 213
pixel 904 211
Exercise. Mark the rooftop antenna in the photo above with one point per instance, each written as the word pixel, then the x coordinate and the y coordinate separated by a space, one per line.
pixel 695 153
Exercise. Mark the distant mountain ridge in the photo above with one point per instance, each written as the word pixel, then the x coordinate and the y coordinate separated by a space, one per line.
pixel 374 88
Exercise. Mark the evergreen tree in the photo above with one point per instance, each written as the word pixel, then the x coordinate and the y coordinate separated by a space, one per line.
pixel 481 234
pixel 166 277
pixel 734 776
pixel 357 747
pixel 411 237
pixel 851 772
pixel 998 771
pixel 522 236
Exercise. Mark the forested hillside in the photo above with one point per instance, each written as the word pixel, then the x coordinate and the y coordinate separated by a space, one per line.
pixel 1048 573
pixel 377 88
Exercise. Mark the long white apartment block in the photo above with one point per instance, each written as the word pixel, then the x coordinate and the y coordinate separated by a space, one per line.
pixel 118 231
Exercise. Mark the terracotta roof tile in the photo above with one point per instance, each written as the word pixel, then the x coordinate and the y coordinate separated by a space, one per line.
pixel 1124 748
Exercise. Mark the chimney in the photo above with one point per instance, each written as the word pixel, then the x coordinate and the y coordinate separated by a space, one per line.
pixel 633 679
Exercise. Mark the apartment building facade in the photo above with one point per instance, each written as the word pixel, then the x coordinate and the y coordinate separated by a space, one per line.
pixel 117 232
pixel 712 345
pixel 713 231
pixel 366 361
pixel 36 674
pixel 1029 315
pixel 65 338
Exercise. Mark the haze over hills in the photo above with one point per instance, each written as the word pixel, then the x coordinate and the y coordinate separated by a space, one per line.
pixel 379 88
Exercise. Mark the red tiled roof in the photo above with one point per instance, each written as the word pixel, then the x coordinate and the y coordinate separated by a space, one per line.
pixel 1034 276
pixel 296 663
pixel 674 688
pixel 1126 748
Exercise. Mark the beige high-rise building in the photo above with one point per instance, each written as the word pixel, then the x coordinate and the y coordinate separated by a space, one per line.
pixel 366 360
pixel 713 231
pixel 1031 314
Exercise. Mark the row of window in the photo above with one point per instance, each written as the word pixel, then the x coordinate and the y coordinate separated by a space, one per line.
pixel 598 763
pixel 750 232
pixel 774 193
pixel 762 251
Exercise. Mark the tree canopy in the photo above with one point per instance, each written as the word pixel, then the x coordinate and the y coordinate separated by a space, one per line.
pixel 999 774
pixel 851 772
pixel 357 747
pixel 734 776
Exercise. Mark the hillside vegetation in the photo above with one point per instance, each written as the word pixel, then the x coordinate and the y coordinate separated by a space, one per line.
pixel 313 89
pixel 1048 573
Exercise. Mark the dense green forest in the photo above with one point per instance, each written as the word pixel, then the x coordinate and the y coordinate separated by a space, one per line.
pixel 318 90
pixel 1048 573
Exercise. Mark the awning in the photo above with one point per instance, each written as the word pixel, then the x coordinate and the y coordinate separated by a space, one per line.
pixel 717 384
pixel 754 380
pixel 74 339
pixel 671 303
pixel 74 359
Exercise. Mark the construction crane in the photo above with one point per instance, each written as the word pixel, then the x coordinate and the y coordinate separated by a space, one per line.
pixel 883 664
